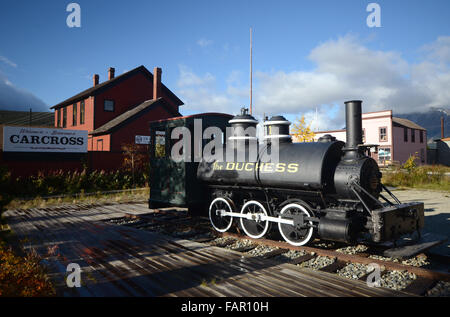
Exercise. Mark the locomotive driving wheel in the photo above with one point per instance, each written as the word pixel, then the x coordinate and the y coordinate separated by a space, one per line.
pixel 220 222
pixel 254 227
pixel 302 231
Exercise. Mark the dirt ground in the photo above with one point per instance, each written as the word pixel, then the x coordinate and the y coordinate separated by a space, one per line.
pixel 437 212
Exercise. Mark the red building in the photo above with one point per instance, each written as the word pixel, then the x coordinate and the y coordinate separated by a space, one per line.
pixel 115 111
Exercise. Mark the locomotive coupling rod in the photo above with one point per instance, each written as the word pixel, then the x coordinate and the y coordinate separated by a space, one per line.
pixel 258 217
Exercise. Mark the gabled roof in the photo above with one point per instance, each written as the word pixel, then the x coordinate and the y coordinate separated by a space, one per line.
pixel 132 114
pixel 407 123
pixel 110 83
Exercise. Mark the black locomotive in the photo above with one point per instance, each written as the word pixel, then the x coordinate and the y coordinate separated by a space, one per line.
pixel 327 188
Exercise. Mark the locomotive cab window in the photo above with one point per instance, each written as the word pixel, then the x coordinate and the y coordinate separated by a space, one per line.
pixel 160 144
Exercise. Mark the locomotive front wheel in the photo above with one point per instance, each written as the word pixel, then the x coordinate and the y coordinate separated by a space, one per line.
pixel 255 227
pixel 219 222
pixel 299 234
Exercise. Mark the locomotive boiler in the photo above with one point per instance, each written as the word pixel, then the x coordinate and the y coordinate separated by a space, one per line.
pixel 327 189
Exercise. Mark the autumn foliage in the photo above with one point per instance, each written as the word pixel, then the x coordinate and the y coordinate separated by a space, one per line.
pixel 301 131
pixel 22 276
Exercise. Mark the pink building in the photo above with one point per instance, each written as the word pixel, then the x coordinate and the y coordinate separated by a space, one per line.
pixel 396 138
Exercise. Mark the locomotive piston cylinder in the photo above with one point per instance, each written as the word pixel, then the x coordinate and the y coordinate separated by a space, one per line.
pixel 336 230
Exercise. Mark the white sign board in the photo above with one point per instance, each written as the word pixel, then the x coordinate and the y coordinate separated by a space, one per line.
pixel 29 139
pixel 142 139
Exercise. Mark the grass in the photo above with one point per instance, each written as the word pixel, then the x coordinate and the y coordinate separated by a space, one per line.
pixel 431 177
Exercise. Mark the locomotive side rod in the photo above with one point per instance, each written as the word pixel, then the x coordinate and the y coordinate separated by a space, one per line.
pixel 262 217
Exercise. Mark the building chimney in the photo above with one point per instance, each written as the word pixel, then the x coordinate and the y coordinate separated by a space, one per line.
pixel 157 82
pixel 95 79
pixel 111 72
pixel 442 128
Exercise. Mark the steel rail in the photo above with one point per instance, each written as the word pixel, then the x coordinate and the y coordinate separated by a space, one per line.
pixel 393 266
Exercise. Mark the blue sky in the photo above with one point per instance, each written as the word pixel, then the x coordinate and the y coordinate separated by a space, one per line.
pixel 307 55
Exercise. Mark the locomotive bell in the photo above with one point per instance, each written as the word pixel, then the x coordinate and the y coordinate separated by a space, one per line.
pixel 277 128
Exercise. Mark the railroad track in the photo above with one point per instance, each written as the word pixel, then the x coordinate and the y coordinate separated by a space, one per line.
pixel 324 256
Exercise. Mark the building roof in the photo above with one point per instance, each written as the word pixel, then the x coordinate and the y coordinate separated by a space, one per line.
pixel 109 83
pixel 197 115
pixel 22 118
pixel 407 123
pixel 132 114
pixel 399 121
pixel 329 131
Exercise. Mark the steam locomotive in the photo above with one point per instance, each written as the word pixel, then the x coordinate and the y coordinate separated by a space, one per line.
pixel 326 189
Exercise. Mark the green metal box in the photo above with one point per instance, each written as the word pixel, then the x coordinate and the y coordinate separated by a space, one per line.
pixel 175 183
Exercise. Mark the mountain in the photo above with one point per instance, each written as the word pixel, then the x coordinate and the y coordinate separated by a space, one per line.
pixel 430 120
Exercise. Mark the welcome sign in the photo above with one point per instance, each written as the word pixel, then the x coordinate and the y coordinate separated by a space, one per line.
pixel 29 139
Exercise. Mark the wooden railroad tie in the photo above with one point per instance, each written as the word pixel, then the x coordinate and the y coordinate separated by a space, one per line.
pixel 420 286
pixel 334 267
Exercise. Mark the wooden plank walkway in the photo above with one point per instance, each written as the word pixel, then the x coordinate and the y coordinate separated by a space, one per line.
pixel 124 261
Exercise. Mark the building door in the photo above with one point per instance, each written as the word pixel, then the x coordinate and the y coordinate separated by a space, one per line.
pixel 99 145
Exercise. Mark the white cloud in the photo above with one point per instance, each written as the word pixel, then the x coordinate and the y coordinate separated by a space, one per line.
pixel 5 60
pixel 439 50
pixel 189 79
pixel 199 92
pixel 345 69
pixel 204 42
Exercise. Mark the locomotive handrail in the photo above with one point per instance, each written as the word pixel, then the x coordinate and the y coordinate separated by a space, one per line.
pixel 367 193
pixel 390 193
pixel 386 200
pixel 360 199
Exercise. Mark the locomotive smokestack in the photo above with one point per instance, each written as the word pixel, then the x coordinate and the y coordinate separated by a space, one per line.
pixel 353 122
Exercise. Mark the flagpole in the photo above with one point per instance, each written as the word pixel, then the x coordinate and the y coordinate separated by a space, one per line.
pixel 251 105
